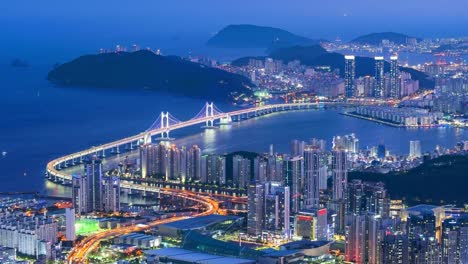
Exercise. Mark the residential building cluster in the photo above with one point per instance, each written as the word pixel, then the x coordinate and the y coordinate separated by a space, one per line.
pixel 92 191
pixel 409 117
pixel 34 235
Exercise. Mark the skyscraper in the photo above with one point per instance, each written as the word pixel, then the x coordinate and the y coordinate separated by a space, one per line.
pixel 70 224
pixel 80 194
pixel 93 174
pixel 255 207
pixel 213 169
pixel 350 74
pixel 277 207
pixel 415 149
pixel 350 143
pixel 379 77
pixel 394 77
pixel 395 249
pixel 194 163
pixel 313 162
pixel 297 148
pixel 148 154
pixel 356 239
pixel 241 171
pixel 294 178
pixel 111 195
pixel 260 169
pixel 455 240
pixel 339 174
pixel 172 163
pixel 92 192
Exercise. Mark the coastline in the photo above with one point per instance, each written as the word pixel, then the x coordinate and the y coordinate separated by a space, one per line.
pixel 381 121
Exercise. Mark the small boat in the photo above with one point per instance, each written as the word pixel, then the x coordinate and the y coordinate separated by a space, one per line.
pixel 4 153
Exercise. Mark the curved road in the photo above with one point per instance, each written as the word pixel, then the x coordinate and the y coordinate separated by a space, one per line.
pixel 80 252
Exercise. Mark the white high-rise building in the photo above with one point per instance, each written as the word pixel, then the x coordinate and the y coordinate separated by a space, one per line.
pixel 379 77
pixel 340 174
pixel 394 77
pixel 350 74
pixel 111 195
pixel 70 232
pixel 313 164
pixel 28 235
pixel 415 149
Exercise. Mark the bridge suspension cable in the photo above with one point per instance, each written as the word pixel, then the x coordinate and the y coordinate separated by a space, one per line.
pixel 164 120
pixel 208 110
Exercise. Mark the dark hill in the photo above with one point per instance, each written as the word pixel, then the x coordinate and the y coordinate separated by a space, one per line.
pixel 376 38
pixel 439 181
pixel 315 55
pixel 144 69
pixel 251 36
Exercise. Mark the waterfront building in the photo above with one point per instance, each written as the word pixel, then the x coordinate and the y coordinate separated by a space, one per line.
pixel 70 232
pixel 415 149
pixel 172 163
pixel 297 148
pixel 379 77
pixel 148 154
pixel 350 74
pixel 350 143
pixel 79 194
pixel 94 193
pixel 319 143
pixel 194 163
pixel 394 78
pixel 255 207
pixel 111 195
pixel 407 116
pixel 93 174
pixel 381 151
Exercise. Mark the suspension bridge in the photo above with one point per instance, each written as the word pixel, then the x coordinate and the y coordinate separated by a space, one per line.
pixel 209 116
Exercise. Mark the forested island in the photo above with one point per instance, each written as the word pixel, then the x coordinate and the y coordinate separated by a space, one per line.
pixel 146 70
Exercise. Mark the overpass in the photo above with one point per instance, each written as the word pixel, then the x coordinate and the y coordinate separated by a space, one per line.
pixel 162 127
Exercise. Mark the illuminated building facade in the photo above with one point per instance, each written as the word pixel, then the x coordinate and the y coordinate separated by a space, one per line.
pixel 350 74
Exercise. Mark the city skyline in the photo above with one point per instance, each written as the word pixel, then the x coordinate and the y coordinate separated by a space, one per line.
pixel 204 132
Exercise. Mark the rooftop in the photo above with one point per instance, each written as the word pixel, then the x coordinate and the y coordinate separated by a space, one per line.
pixel 304 244
pixel 188 256
pixel 199 222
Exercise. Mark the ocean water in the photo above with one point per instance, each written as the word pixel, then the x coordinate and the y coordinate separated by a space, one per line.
pixel 40 122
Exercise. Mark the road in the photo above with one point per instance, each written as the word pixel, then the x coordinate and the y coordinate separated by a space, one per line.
pixel 81 251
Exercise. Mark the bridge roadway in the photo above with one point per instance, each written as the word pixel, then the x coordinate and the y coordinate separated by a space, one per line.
pixel 52 166
pixel 81 251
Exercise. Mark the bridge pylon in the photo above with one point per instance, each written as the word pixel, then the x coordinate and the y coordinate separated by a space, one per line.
pixel 209 113
pixel 165 125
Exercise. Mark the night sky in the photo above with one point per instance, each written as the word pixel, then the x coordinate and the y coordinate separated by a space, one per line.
pixel 62 25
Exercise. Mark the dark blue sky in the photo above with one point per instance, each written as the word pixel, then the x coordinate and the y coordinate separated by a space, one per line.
pixel 63 25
